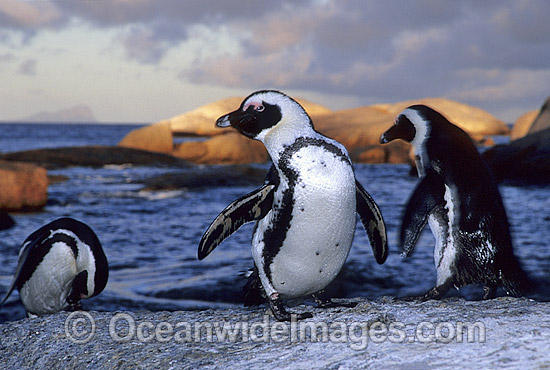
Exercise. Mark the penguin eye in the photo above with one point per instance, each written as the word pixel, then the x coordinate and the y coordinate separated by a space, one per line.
pixel 259 108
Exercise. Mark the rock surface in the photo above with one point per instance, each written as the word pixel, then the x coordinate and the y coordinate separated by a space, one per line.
pixel 532 122
pixel 358 129
pixel 23 186
pixel 382 334
pixel 522 124
pixel 231 148
pixel 525 160
pixel 201 121
pixel 475 121
pixel 207 176
pixel 154 138
pixel 94 156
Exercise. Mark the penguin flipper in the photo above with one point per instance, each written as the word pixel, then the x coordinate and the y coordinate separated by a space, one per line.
pixel 250 207
pixel 373 222
pixel 18 278
pixel 428 195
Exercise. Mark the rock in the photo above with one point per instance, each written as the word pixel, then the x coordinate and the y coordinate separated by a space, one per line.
pixel 475 121
pixel 202 121
pixel 207 176
pixel 525 160
pixel 95 156
pixel 382 334
pixel 23 186
pixel 532 122
pixel 154 138
pixel 522 124
pixel 6 221
pixel 359 130
pixel 231 148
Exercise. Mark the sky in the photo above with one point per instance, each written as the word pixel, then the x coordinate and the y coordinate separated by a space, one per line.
pixel 146 60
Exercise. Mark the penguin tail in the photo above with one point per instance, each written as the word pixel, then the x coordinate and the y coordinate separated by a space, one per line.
pixel 253 290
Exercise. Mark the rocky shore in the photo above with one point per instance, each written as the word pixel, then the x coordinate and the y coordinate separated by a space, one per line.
pixel 359 129
pixel 382 334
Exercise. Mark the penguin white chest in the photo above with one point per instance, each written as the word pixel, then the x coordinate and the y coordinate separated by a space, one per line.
pixel 322 224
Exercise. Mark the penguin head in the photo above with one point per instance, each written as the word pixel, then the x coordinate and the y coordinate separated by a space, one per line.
pixel 412 125
pixel 266 112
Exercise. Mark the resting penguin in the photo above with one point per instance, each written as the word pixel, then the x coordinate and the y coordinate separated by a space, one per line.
pixel 459 199
pixel 305 211
pixel 59 264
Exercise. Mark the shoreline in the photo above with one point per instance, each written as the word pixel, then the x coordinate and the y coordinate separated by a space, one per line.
pixel 384 333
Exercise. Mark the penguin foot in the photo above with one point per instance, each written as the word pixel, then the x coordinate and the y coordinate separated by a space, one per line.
pixel 281 314
pixel 437 292
pixel 489 292
pixel 323 302
pixel 74 306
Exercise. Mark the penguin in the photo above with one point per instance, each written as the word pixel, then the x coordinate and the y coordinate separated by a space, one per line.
pixel 305 211
pixel 458 197
pixel 59 264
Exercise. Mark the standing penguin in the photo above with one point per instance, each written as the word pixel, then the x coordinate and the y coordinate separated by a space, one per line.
pixel 460 200
pixel 59 264
pixel 305 211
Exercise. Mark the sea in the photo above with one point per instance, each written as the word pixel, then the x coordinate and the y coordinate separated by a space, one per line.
pixel 150 238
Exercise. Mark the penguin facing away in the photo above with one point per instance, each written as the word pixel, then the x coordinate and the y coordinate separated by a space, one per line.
pixel 305 212
pixel 59 264
pixel 458 197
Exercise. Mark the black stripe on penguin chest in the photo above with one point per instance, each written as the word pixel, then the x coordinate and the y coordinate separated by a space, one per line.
pixel 275 235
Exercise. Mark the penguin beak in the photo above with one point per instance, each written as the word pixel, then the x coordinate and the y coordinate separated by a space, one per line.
pixel 224 121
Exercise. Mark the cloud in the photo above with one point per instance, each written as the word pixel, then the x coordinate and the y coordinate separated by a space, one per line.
pixel 27 67
pixel 28 15
pixel 373 50
pixel 149 44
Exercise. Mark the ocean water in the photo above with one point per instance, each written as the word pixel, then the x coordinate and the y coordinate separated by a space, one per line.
pixel 151 237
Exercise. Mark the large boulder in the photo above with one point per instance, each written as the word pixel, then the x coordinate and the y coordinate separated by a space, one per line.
pixel 231 148
pixel 23 186
pixel 522 124
pixel 359 130
pixel 154 138
pixel 201 121
pixel 532 122
pixel 475 121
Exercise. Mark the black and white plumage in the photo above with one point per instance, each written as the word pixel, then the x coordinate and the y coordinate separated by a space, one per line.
pixel 460 200
pixel 305 211
pixel 59 264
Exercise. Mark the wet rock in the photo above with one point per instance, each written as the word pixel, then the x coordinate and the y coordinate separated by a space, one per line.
pixel 6 221
pixel 207 176
pixel 153 138
pixel 23 186
pixel 525 160
pixel 386 333
pixel 95 156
